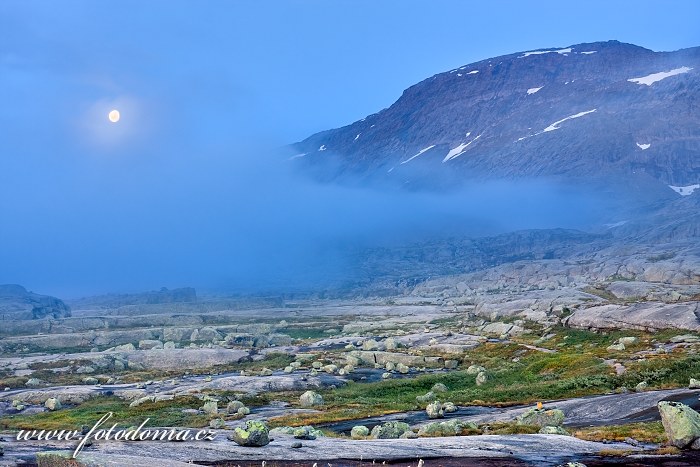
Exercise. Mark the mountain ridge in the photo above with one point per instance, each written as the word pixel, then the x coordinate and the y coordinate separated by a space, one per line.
pixel 582 110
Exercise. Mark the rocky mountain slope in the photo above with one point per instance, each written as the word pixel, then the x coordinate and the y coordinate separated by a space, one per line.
pixel 604 109
pixel 16 303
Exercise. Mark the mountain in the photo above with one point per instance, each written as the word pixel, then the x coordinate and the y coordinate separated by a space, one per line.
pixel 603 109
pixel 16 303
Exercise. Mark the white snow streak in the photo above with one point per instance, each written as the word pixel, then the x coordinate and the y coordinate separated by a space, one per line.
pixel 419 153
pixel 540 52
pixel 459 150
pixel 654 77
pixel 589 52
pixel 297 156
pixel 356 137
pixel 473 72
pixel 684 190
pixel 643 146
pixel 533 90
pixel 554 126
pixel 322 148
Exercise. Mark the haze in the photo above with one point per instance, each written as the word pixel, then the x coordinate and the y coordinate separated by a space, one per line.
pixel 191 187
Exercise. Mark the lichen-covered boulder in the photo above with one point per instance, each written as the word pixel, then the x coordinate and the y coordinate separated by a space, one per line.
pixel 481 378
pixel 449 407
pixel 52 404
pixel 641 387
pixel 439 387
pixel 553 430
pixel 475 370
pixel 306 432
pixel 233 406
pixel 389 430
pixel 429 397
pixel 541 417
pixel 310 399
pixel 359 432
pixel 434 410
pixel 217 423
pixel 681 423
pixel 210 408
pixel 448 428
pixel 255 434
pixel 694 383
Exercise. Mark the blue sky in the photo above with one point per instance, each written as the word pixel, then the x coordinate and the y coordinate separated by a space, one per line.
pixel 205 88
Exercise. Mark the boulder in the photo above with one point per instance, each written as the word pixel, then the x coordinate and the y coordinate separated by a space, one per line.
pixel 481 378
pixel 627 340
pixel 401 368
pixel 428 397
pixel 451 364
pixel 449 407
pixel 233 406
pixel 553 430
pixel 210 408
pixel 447 428
pixel 310 399
pixel 389 430
pixel 541 417
pixel 475 369
pixel 434 410
pixel 148 344
pixel 359 432
pixel 439 387
pixel 52 404
pixel 694 384
pixel 306 432
pixel 616 347
pixel 370 344
pixel 217 424
pixel 641 387
pixel 33 382
pixel 255 434
pixel 91 380
pixel 681 423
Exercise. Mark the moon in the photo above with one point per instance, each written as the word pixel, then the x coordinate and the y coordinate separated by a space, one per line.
pixel 114 116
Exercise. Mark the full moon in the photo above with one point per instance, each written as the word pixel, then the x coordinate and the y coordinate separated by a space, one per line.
pixel 114 116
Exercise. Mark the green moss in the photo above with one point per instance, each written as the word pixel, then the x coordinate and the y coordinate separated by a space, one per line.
pixel 165 413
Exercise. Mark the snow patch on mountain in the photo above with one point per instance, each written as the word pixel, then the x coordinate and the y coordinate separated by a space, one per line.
pixel 533 90
pixel 540 52
pixel 419 153
pixel 555 125
pixel 643 146
pixel 589 52
pixel 459 150
pixel 655 77
pixel 297 156
pixel 684 190
pixel 473 72
pixel 322 147
pixel 357 137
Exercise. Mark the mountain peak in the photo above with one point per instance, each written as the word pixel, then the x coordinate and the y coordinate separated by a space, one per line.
pixel 580 110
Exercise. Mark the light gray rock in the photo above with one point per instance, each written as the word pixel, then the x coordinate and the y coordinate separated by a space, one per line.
pixel 359 432
pixel 541 417
pixel 434 410
pixel 255 434
pixel 681 423
pixel 389 430
pixel 52 404
pixel 310 399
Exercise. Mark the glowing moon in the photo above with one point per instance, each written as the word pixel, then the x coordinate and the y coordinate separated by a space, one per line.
pixel 114 116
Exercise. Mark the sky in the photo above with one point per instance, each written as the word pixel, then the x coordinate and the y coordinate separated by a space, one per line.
pixel 182 190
